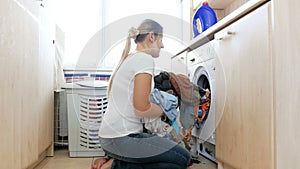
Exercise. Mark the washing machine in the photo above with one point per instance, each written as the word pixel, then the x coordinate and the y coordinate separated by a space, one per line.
pixel 201 71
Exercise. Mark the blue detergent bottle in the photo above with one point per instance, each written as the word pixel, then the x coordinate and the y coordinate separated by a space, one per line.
pixel 204 18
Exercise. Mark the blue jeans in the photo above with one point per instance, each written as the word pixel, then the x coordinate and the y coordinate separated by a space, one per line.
pixel 145 151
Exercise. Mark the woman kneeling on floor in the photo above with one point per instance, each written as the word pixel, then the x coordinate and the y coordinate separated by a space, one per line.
pixel 121 132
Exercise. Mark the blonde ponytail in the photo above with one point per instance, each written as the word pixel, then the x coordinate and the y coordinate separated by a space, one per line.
pixel 138 35
pixel 132 33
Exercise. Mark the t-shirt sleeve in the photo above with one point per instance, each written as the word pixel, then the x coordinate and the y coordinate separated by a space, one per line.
pixel 144 63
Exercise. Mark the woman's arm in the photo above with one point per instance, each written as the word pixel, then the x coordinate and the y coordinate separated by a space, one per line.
pixel 141 97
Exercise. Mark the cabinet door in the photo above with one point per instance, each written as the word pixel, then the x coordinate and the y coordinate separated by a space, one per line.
pixel 244 134
pixel 45 71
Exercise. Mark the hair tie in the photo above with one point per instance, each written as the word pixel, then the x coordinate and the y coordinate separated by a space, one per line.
pixel 133 33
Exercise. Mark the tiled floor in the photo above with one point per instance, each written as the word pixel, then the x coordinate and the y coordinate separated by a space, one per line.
pixel 61 160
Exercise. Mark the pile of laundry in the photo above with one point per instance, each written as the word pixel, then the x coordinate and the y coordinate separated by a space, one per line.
pixel 185 106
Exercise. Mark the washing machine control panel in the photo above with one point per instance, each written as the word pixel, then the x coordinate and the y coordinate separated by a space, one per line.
pixel 201 54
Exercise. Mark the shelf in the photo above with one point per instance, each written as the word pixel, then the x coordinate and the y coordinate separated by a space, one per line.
pixel 208 35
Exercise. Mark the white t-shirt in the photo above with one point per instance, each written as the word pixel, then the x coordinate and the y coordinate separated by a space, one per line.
pixel 120 119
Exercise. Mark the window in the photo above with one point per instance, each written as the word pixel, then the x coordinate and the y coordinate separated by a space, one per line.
pixel 83 20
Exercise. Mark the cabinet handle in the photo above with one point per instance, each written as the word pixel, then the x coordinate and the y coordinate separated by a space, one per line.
pixel 224 35
pixel 193 60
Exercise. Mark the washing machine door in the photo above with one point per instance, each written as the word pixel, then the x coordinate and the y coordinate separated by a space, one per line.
pixel 202 78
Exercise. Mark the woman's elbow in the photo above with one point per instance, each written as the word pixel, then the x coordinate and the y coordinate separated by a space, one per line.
pixel 141 110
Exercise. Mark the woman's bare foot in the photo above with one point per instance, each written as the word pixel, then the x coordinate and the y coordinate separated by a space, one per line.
pixel 108 164
pixel 98 163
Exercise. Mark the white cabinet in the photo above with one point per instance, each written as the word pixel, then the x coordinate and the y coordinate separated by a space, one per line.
pixel 244 86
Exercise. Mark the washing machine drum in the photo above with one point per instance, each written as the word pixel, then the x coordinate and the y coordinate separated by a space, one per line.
pixel 201 79
pixel 203 82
